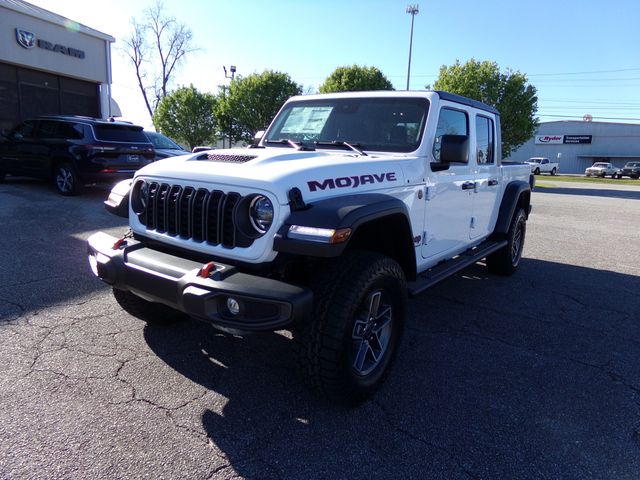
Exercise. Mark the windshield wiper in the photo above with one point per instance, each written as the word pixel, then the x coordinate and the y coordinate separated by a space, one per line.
pixel 288 141
pixel 340 143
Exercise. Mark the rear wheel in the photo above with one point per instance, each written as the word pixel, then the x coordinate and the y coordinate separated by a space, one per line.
pixel 506 260
pixel 553 171
pixel 536 171
pixel 347 347
pixel 66 179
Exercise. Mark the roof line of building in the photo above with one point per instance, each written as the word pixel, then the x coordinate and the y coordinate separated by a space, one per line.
pixel 607 155
pixel 47 16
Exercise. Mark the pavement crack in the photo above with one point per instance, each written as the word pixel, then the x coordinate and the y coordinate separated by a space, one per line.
pixel 387 418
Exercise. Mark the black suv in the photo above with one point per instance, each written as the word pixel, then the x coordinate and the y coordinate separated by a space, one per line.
pixel 74 151
pixel 631 169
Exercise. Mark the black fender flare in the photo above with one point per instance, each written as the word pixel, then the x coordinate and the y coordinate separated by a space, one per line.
pixel 348 211
pixel 517 193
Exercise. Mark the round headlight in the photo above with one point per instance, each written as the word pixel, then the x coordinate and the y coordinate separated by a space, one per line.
pixel 261 213
pixel 140 196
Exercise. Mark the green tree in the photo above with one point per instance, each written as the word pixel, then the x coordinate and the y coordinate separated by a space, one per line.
pixel 355 79
pixel 509 92
pixel 249 103
pixel 187 115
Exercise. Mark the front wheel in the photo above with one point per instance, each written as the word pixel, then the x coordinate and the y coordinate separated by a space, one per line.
pixel 66 179
pixel 347 347
pixel 506 260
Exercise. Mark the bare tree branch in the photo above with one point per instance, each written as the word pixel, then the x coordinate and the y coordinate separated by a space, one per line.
pixel 156 48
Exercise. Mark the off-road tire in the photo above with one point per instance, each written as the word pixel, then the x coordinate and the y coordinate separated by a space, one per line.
pixel 150 312
pixel 553 172
pixel 506 260
pixel 331 347
pixel 66 179
pixel 536 171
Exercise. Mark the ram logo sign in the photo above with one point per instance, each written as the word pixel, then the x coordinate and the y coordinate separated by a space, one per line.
pixel 25 39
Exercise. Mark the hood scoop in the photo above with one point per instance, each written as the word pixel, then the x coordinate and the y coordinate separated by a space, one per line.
pixel 222 157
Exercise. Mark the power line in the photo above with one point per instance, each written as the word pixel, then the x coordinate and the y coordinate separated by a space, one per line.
pixel 583 73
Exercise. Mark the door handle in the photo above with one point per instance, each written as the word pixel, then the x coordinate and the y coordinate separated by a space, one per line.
pixel 468 185
pixel 493 182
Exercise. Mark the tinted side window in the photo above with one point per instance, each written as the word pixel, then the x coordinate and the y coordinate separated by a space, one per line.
pixel 119 133
pixel 71 131
pixel 484 140
pixel 27 129
pixel 47 129
pixel 450 122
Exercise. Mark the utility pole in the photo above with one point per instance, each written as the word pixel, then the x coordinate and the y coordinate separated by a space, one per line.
pixel 413 11
pixel 232 69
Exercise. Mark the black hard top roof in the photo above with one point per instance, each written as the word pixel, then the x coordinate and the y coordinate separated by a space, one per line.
pixel 466 101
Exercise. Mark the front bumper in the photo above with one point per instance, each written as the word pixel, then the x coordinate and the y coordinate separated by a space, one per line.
pixel 265 304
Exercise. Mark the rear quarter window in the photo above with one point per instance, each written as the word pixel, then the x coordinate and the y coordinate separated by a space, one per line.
pixel 120 133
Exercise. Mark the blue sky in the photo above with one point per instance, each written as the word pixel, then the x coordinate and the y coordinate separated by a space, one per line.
pixel 582 56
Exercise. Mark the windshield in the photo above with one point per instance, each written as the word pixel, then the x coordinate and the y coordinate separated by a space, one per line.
pixel 600 164
pixel 160 141
pixel 633 164
pixel 535 160
pixel 379 124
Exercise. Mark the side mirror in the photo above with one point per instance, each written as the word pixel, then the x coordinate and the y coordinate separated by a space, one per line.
pixel 16 136
pixel 118 201
pixel 258 136
pixel 453 149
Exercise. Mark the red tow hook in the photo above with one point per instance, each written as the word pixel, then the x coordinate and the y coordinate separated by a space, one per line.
pixel 206 269
pixel 118 243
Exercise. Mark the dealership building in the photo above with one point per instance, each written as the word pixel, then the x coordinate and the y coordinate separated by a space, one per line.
pixel 51 65
pixel 576 145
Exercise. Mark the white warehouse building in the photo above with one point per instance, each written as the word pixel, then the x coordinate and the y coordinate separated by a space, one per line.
pixel 576 145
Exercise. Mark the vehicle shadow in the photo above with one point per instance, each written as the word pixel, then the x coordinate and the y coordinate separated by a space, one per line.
pixel 43 260
pixel 483 360
pixel 591 192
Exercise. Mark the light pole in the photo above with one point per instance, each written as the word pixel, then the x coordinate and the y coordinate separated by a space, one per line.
pixel 232 68
pixel 413 11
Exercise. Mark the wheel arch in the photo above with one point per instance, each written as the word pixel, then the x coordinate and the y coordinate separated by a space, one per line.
pixel 516 195
pixel 379 223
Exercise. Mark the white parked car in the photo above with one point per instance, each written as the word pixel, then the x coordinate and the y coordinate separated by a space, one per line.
pixel 543 165
pixel 602 169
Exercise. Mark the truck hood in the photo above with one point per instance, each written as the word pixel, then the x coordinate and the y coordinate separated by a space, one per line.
pixel 318 174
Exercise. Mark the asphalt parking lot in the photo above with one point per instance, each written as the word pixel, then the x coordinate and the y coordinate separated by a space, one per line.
pixel 533 376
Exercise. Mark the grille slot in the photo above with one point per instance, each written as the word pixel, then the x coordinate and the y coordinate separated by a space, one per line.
pixel 197 214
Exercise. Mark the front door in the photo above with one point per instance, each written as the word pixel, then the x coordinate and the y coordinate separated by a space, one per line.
pixel 450 193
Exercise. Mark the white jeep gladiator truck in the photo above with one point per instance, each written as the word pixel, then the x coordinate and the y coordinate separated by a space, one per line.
pixel 348 204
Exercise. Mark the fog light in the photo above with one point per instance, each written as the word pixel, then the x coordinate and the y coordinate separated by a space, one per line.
pixel 233 306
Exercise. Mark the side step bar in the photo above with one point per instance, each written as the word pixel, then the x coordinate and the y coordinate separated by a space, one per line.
pixel 449 267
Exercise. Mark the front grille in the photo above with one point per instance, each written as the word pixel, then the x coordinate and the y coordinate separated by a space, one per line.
pixel 197 214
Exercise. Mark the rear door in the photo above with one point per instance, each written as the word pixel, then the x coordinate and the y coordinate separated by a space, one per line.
pixel 486 177
pixel 450 192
